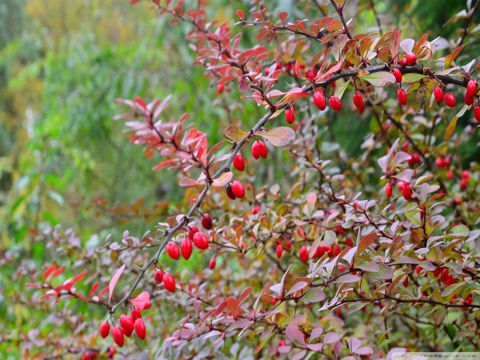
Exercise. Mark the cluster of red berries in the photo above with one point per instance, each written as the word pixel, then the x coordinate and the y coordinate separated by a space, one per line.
pixel 465 179
pixel 93 354
pixel 235 189
pixel 403 186
pixel 409 59
pixel 303 254
pixel 440 272
pixel 335 103
pixel 194 236
pixel 128 324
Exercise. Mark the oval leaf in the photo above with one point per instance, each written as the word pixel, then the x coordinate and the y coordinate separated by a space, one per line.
pixel 113 282
pixel 279 136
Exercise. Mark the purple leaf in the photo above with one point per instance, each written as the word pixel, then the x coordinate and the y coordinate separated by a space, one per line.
pixel 293 333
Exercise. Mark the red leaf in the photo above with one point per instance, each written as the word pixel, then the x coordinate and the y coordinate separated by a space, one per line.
pixel 113 282
pixel 366 241
pixel 47 272
pixel 93 288
pixel 141 300
pixel 240 14
pixel 78 277
pixel 103 291
pixel 165 163
pixel 283 16
pixel 57 272
pixel 140 102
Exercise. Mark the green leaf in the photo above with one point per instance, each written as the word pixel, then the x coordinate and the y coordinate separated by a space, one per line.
pixel 341 89
pixel 412 77
pixel 412 212
pixel 380 78
pixel 450 128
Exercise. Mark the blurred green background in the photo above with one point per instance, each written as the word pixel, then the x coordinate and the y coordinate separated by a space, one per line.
pixel 62 64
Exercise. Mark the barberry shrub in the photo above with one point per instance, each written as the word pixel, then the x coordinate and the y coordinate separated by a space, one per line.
pixel 350 256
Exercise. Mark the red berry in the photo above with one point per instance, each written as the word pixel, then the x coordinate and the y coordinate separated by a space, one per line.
pixel 140 329
pixel 229 192
pixel 200 240
pixel 449 174
pixel 290 115
pixel 263 149
pixel 239 162
pixel 469 299
pixel 259 149
pixel 335 103
pixel 466 174
pixel 169 282
pixel 186 248
pixel 212 263
pixel 117 335
pixel 476 113
pixel 450 281
pixel 336 250
pixel 86 356
pixel 127 324
pixel 444 275
pixel 288 245
pixel 104 329
pixel 403 62
pixel 237 189
pixel 256 209
pixel 402 97
pixel 440 162
pixel 192 231
pixel 406 191
pixel 136 314
pixel 411 59
pixel 111 352
pixel 450 100
pixel 256 150
pixel 158 276
pixel 458 201
pixel 418 269
pixel 207 221
pixel 319 100
pixel 220 88
pixel 388 189
pixel 468 99
pixel 405 282
pixel 471 88
pixel 173 251
pixel 398 75
pixel 303 253
pixel 349 242
pixel 358 102
pixel 439 95
pixel 320 251
pixel 279 250
pixel 463 183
